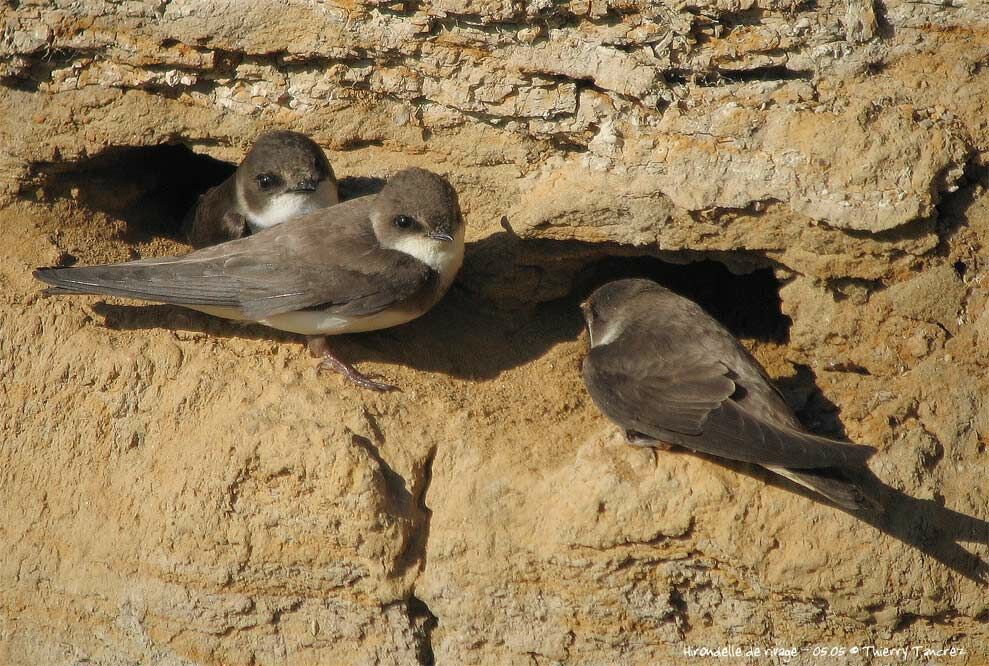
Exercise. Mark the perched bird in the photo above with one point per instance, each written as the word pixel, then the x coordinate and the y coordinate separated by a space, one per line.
pixel 366 264
pixel 283 176
pixel 668 373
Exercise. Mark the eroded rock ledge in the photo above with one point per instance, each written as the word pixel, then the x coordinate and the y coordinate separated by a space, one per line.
pixel 182 490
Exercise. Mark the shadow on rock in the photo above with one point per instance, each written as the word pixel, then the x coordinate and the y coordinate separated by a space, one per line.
pixel 487 324
pixel 464 336
pixel 352 187
pixel 925 525
pixel 513 302
pixel 930 527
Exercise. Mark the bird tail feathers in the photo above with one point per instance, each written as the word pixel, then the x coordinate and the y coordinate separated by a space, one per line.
pixel 842 492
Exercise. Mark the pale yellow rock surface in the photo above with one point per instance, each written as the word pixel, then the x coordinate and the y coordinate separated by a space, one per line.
pixel 176 489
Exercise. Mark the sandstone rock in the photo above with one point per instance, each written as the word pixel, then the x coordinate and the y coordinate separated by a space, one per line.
pixel 177 489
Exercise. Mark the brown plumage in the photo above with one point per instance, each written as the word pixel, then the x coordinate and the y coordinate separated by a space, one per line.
pixel 285 174
pixel 666 371
pixel 366 264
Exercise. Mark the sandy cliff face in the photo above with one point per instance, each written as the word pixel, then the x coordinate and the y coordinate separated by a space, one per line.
pixel 177 489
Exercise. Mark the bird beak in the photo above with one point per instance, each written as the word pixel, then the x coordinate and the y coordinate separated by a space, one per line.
pixel 439 235
pixel 308 185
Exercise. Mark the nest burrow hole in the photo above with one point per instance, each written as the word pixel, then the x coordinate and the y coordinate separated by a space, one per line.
pixel 151 188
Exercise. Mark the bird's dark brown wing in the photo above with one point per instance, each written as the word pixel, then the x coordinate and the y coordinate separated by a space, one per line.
pixel 683 396
pixel 214 220
pixel 655 390
pixel 328 258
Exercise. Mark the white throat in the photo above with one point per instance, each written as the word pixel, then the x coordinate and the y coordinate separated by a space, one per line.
pixel 287 205
pixel 444 257
pixel 607 333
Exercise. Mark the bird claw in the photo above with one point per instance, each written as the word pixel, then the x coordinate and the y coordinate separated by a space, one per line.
pixel 330 363
pixel 319 347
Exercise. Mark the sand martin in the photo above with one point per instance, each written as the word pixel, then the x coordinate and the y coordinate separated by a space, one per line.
pixel 283 176
pixel 369 263
pixel 668 373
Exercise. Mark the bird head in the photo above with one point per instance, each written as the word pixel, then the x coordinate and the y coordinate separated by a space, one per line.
pixel 284 175
pixel 417 212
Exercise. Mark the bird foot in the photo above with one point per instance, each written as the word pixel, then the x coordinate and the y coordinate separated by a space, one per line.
pixel 638 439
pixel 319 347
pixel 353 374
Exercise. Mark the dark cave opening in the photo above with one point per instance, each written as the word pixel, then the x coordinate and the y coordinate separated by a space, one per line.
pixel 747 304
pixel 150 188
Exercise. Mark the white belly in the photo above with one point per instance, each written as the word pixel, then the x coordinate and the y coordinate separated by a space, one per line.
pixel 314 322
pixel 311 322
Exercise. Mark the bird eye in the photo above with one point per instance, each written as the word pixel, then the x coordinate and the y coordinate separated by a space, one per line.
pixel 266 181
pixel 404 222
